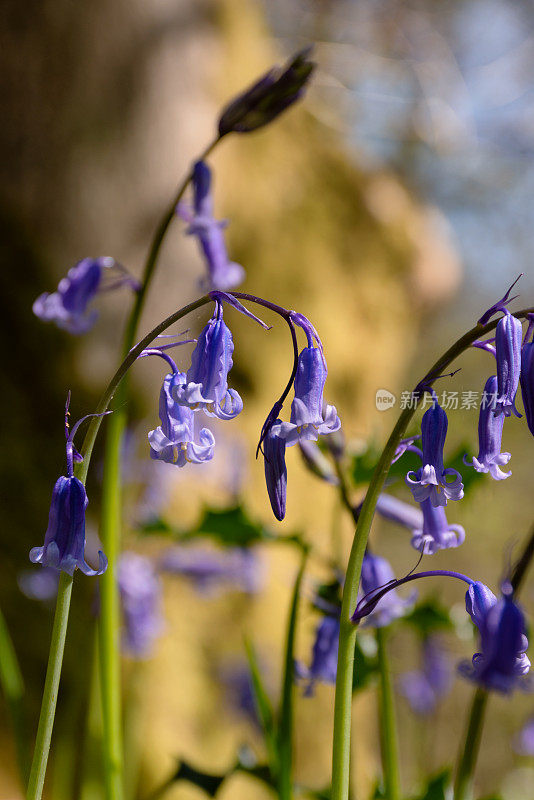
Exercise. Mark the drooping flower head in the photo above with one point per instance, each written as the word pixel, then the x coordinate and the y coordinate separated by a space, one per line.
pixel 68 306
pixel 222 273
pixel 268 97
pixel 430 480
pixel 423 688
pixel 274 450
pixel 175 440
pixel 64 543
pixel 323 666
pixel 508 336
pixel 308 419
pixel 140 595
pixel 527 376
pixel 205 386
pixel 430 530
pixel 502 662
pixel 376 573
pixel 490 426
pixel 211 571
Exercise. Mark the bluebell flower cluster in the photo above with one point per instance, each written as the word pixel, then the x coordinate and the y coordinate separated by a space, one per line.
pixel 68 306
pixel 140 594
pixel 210 571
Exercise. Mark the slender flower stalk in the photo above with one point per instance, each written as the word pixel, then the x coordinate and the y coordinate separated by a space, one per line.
pixel 469 747
pixel 388 724
pixel 347 640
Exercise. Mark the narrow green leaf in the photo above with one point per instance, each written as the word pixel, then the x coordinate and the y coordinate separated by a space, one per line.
pixel 13 687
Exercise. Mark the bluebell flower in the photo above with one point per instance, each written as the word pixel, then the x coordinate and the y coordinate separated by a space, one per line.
pixel 222 273
pixel 436 533
pixel 490 426
pixel 323 666
pixel 140 595
pixel 395 510
pixel 430 480
pixel 423 688
pixel 68 306
pixel 527 377
pixel 174 440
pixel 508 336
pixel 205 386
pixel 64 543
pixel 268 97
pixel 239 685
pixel 307 419
pixel 274 454
pixel 376 573
pixel 210 571
pixel 39 585
pixel 502 662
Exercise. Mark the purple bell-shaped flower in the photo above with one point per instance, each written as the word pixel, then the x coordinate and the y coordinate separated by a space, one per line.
pixel 490 426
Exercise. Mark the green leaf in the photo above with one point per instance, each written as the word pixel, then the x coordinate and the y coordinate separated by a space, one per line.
pixel 231 527
pixel 209 783
pixel 263 705
pixel 436 788
pixel 157 525
pixel 365 668
pixel 429 616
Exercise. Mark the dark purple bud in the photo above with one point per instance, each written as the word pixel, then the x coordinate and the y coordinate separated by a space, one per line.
pixel 490 426
pixel 140 594
pixel 222 273
pixel 508 336
pixel 274 452
pixel 430 480
pixel 527 383
pixel 268 97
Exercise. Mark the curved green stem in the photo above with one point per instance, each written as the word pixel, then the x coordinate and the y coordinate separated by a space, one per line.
pixel 13 688
pixel 347 635
pixel 388 724
pixel 51 688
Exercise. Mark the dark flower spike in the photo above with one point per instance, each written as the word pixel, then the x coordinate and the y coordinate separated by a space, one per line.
pixel 490 458
pixel 376 573
pixel 205 386
pixel 323 667
pixel 222 273
pixel 274 449
pixel 508 340
pixel 500 305
pixel 174 441
pixel 64 542
pixel 68 306
pixel 268 97
pixel 423 688
pixel 502 662
pixel 527 375
pixel 430 480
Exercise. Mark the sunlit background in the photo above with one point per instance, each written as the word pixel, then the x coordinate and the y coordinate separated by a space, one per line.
pixel 392 207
